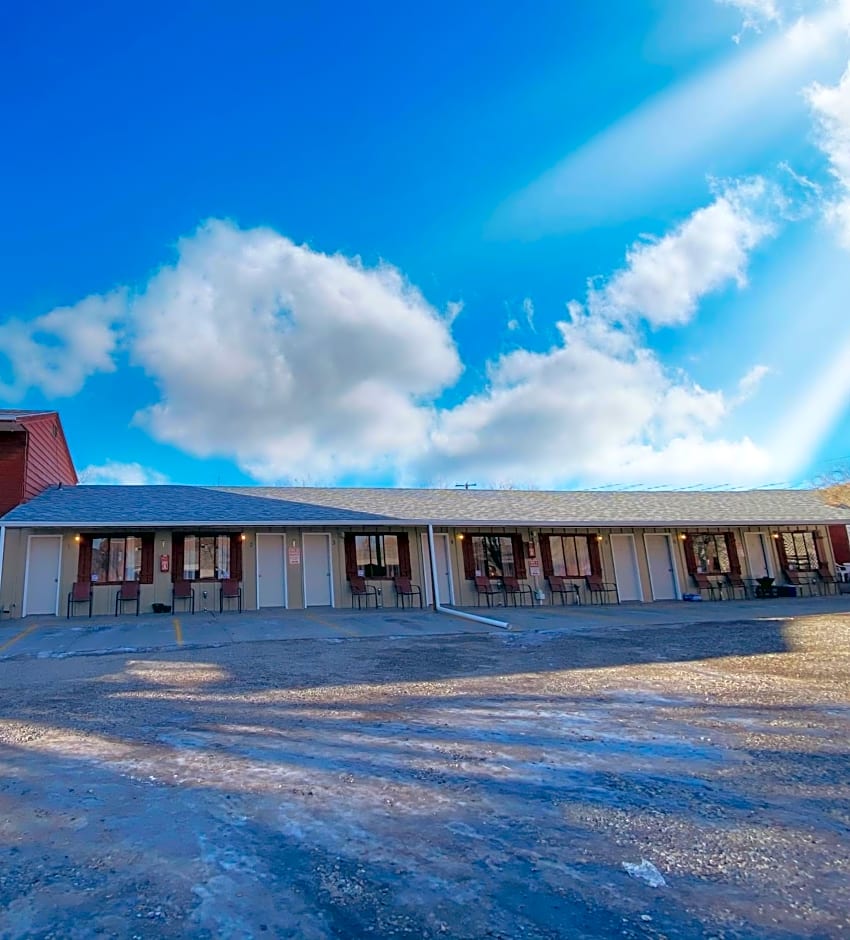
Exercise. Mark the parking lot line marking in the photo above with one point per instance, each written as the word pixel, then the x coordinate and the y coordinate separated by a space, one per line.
pixel 178 632
pixel 19 636
pixel 333 626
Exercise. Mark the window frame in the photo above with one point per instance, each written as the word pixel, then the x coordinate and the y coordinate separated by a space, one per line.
pixel 351 562
pixel 574 538
pixel 792 560
pixel 178 551
pixel 721 550
pixel 380 567
pixel 471 560
pixel 85 557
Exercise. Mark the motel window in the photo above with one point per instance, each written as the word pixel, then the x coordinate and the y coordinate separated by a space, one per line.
pixel 111 559
pixel 377 555
pixel 800 552
pixel 570 556
pixel 206 557
pixel 711 553
pixel 116 559
pixel 493 556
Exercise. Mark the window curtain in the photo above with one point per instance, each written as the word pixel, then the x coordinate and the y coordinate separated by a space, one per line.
pixel 404 565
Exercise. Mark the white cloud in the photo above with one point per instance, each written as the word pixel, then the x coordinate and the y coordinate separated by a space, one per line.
pixel 665 278
pixel 750 381
pixel 831 104
pixel 599 406
pixel 756 14
pixel 123 474
pixel 528 310
pixel 294 362
pixel 59 350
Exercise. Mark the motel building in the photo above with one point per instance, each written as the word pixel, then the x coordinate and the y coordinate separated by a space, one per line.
pixel 72 549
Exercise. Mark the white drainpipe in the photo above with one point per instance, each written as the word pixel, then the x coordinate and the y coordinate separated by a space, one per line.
pixel 2 547
pixel 436 590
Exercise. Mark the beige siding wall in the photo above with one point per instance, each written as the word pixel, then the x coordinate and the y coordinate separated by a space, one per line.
pixel 14 559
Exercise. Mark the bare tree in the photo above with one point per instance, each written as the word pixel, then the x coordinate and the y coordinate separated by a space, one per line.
pixel 835 489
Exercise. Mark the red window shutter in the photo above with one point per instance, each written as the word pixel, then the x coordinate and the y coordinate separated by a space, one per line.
pixel 350 556
pixel 176 556
pixel 820 559
pixel 146 574
pixel 732 551
pixel 84 559
pixel 519 556
pixel 690 557
pixel 404 555
pixel 595 556
pixel 546 556
pixel 780 550
pixel 236 557
pixel 468 557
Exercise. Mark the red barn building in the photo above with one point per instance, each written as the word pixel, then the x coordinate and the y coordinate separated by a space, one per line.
pixel 33 456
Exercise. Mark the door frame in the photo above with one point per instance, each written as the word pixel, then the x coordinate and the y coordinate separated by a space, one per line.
pixel 677 588
pixel 767 553
pixel 426 570
pixel 328 542
pixel 57 538
pixel 636 567
pixel 257 566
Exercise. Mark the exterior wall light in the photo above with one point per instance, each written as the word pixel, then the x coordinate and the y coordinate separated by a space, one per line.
pixel 598 538
pixel 243 536
pixel 460 536
pixel 682 536
pixel 775 535
pixel 78 538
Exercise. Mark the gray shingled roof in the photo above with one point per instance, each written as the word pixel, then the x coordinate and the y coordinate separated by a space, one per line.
pixel 87 506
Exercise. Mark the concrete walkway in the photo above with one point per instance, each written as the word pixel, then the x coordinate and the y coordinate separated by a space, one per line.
pixel 51 637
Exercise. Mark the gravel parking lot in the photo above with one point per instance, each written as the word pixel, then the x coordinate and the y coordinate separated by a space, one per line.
pixel 661 781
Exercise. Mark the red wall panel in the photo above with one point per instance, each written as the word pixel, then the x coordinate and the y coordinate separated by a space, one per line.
pixel 12 468
pixel 48 461
pixel 840 544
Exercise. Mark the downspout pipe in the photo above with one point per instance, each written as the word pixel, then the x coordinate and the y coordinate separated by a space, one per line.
pixel 2 547
pixel 490 621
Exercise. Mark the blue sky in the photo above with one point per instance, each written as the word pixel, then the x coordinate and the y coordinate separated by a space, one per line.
pixel 574 244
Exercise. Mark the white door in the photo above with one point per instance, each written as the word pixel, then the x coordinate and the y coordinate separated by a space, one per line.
pixel 271 586
pixel 41 590
pixel 662 575
pixel 626 568
pixel 445 585
pixel 758 555
pixel 318 589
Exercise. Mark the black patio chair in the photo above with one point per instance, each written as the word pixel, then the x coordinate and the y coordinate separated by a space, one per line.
pixel 484 587
pixel 231 590
pixel 564 589
pixel 515 590
pixel 599 590
pixel 360 590
pixel 404 588
pixel 182 590
pixel 80 593
pixel 128 593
